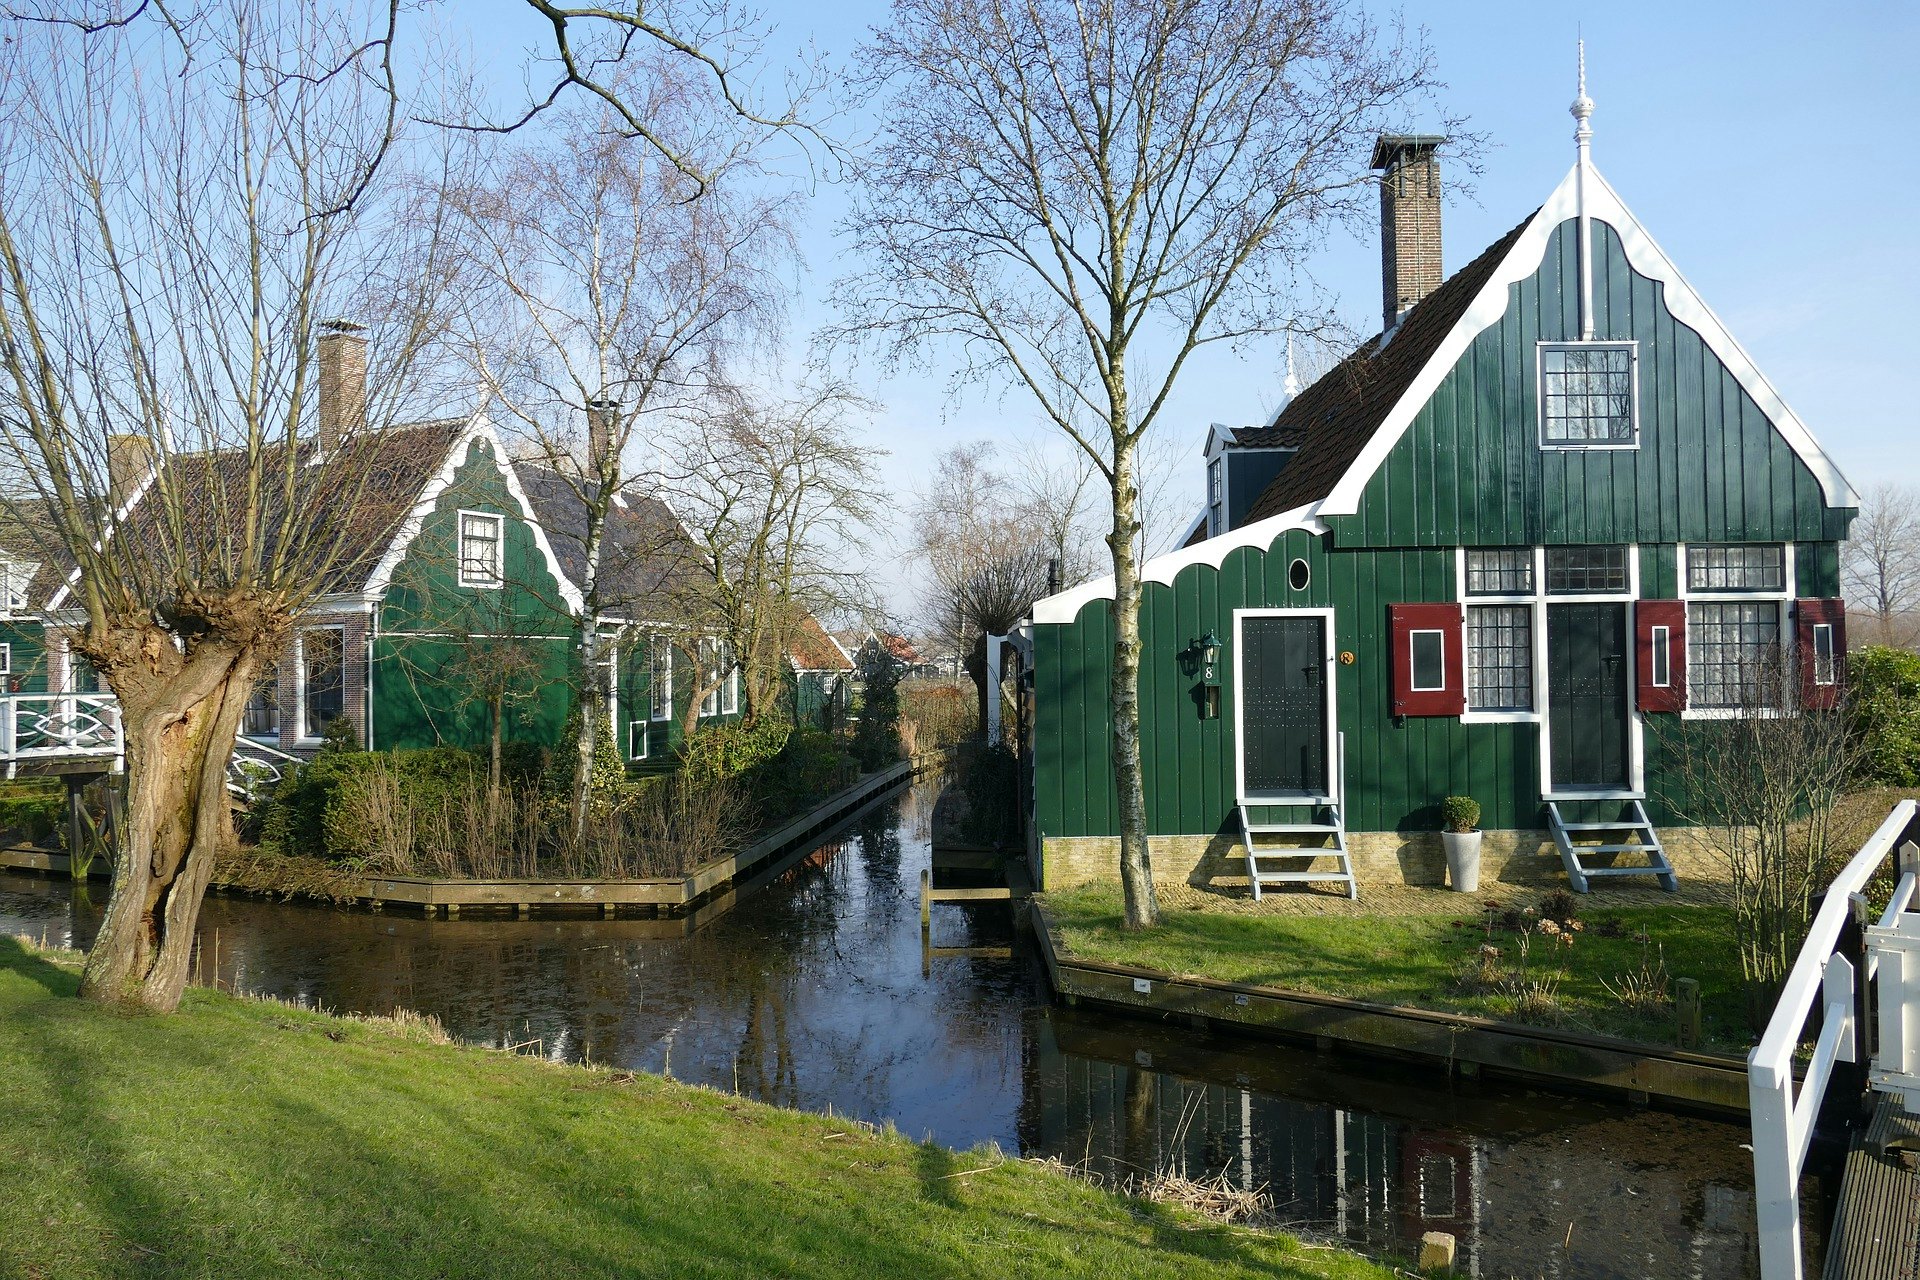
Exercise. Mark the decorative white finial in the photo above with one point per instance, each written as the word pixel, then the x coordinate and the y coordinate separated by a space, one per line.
pixel 1292 385
pixel 1582 107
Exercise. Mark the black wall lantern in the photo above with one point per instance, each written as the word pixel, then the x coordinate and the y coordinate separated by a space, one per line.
pixel 1208 647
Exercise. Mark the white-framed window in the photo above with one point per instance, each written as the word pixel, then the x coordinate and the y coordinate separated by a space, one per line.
pixel 1736 566
pixel 1428 653
pixel 1588 396
pixel 14 577
pixel 1825 669
pixel 1217 496
pixel 1660 641
pixel 636 739
pixel 1583 571
pixel 6 659
pixel 1733 655
pixel 480 543
pixel 1499 657
pixel 660 677
pixel 722 677
pixel 323 678
pixel 1499 571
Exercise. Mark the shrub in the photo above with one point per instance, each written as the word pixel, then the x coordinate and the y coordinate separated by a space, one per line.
pixel 31 809
pixel 1884 707
pixel 876 739
pixel 943 714
pixel 1460 813
pixel 722 751
pixel 330 806
pixel 810 767
pixel 340 734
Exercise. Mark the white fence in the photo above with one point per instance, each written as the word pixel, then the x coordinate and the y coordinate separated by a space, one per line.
pixel 1783 1117
pixel 37 727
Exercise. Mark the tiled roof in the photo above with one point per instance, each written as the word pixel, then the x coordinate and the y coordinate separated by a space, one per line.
pixel 645 556
pixel 1278 434
pixel 1332 420
pixel 813 649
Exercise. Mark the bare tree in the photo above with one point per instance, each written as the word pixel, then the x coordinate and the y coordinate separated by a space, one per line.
pixel 774 498
pixel 623 288
pixel 172 231
pixel 1881 561
pixel 1065 189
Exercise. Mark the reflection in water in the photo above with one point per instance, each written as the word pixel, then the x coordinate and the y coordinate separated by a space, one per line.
pixel 809 992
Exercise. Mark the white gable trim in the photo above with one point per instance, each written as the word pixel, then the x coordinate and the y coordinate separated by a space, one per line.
pixel 1603 204
pixel 478 429
pixel 1066 606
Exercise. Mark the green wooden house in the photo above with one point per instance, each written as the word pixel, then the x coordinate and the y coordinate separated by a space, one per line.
pixel 1549 513
pixel 471 603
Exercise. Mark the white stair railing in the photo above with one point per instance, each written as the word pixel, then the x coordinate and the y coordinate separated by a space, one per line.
pixel 257 768
pixel 1782 1117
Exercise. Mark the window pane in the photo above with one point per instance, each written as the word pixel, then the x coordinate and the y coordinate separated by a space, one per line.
pixel 1500 657
pixel 660 678
pixel 479 550
pixel 1661 642
pixel 1586 395
pixel 1506 571
pixel 262 717
pixel 321 654
pixel 1586 570
pixel 1823 666
pixel 1733 655
pixel 1737 567
pixel 1429 660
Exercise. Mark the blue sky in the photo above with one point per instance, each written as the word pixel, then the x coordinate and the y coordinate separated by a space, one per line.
pixel 1769 148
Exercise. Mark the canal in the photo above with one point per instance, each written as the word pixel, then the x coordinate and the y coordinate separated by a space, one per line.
pixel 810 990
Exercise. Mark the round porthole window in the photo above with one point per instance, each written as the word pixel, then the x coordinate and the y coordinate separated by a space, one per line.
pixel 1298 575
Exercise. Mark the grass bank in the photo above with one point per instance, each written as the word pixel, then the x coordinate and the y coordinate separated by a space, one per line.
pixel 244 1138
pixel 1435 961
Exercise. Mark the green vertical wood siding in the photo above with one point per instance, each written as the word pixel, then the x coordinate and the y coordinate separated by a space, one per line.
pixel 1469 471
pixel 27 667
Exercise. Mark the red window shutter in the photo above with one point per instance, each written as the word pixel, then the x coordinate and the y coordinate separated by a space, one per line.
pixel 1660 655
pixel 1428 663
pixel 1820 651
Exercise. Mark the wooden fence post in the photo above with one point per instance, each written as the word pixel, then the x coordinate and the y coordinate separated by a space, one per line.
pixel 1687 1004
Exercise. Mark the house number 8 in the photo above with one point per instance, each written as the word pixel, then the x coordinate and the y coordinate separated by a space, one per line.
pixel 1346 657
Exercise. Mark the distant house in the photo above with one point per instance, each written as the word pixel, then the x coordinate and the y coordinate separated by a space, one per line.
pixel 822 673
pixel 1549 511
pixel 484 560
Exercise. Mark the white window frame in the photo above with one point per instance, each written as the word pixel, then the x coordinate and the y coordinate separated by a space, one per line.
pixel 6 658
pixel 274 681
pixel 1828 660
pixel 642 728
pixel 306 732
pixel 1413 660
pixel 1660 656
pixel 497 577
pixel 1497 714
pixel 1782 601
pixel 1632 348
pixel 659 678
pixel 724 699
pixel 1336 787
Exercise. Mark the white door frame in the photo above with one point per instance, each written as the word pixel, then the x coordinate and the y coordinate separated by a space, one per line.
pixel 1332 728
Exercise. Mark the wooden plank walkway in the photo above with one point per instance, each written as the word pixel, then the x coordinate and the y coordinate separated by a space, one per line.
pixel 1876 1228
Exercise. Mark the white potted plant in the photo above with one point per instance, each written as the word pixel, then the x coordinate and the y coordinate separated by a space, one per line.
pixel 1462 839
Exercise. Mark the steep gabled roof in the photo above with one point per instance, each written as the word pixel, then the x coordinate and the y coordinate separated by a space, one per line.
pixel 1332 420
pixel 813 649
pixel 645 556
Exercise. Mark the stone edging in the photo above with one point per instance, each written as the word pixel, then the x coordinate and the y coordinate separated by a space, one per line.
pixel 1459 1041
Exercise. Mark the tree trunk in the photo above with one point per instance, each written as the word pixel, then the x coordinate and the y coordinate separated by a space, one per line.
pixel 496 712
pixel 976 668
pixel 1136 863
pixel 592 706
pixel 180 730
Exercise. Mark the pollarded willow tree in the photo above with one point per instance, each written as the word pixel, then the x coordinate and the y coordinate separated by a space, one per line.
pixel 619 291
pixel 178 216
pixel 1065 192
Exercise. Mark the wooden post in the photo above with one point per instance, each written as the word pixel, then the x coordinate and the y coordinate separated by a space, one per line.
pixel 1436 1251
pixel 926 903
pixel 1686 1004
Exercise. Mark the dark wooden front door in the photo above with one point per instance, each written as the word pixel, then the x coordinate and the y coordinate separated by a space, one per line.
pixel 1283 705
pixel 1587 696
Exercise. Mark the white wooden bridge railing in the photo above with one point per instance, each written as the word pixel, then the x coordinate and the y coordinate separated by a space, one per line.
pixel 1783 1118
pixel 51 727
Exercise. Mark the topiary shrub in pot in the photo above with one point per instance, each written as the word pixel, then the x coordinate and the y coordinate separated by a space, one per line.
pixel 1462 840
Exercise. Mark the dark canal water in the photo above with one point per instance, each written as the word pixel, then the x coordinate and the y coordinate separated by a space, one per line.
pixel 810 992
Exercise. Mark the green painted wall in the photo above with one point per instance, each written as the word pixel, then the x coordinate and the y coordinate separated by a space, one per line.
pixel 1468 472
pixel 435 637
pixel 28 664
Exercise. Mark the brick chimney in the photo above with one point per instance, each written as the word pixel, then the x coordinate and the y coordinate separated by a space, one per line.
pixel 1409 220
pixel 343 381
pixel 129 458
pixel 602 417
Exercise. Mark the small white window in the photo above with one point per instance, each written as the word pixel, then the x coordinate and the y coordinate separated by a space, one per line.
pixel 1499 571
pixel 660 677
pixel 1429 654
pixel 636 739
pixel 1216 497
pixel 1737 567
pixel 480 564
pixel 1824 670
pixel 14 577
pixel 1659 639
pixel 1587 395
pixel 717 673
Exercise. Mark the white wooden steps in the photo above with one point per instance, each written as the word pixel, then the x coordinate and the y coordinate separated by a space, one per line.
pixel 1631 833
pixel 1303 843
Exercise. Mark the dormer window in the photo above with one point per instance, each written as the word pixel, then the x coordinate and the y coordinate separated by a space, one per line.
pixel 1587 395
pixel 1217 497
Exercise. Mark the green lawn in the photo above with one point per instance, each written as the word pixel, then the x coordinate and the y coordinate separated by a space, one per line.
pixel 242 1138
pixel 1416 960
